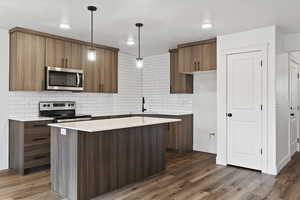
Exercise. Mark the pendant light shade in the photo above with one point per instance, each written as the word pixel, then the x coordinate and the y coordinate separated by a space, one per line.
pixel 139 60
pixel 139 63
pixel 92 55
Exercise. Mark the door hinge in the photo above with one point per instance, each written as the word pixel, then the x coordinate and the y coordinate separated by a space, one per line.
pixel 261 151
pixel 261 63
pixel 261 107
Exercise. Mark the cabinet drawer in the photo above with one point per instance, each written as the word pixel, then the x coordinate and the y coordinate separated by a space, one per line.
pixel 36 136
pixel 37 124
pixel 36 160
pixel 36 150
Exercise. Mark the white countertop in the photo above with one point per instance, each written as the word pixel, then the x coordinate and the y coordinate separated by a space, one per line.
pixel 167 112
pixel 112 124
pixel 28 119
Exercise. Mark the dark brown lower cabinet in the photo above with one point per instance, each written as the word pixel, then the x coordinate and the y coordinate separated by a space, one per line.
pixel 180 134
pixel 85 165
pixel 29 145
pixel 180 137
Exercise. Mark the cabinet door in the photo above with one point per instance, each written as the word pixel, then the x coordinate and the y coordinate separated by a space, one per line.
pixel 197 57
pixel 109 72
pixel 27 62
pixel 179 82
pixel 91 71
pixel 76 58
pixel 185 60
pixel 58 53
pixel 209 54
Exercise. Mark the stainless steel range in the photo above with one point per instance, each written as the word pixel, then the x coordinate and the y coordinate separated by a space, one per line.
pixel 61 111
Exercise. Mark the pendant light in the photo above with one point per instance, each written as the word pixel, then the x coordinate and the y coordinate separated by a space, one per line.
pixel 139 60
pixel 92 51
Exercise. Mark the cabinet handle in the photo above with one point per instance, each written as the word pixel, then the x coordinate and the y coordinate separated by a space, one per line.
pixel 63 62
pixel 39 139
pixel 39 157
pixel 198 66
pixel 195 67
pixel 43 85
pixel 40 125
pixel 66 62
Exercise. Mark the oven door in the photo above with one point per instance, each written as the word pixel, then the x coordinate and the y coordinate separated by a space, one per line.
pixel 64 79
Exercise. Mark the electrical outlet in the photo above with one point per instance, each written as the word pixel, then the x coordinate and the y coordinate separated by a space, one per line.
pixel 63 131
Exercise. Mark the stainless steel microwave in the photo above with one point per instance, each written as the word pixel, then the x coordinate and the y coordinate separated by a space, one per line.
pixel 64 79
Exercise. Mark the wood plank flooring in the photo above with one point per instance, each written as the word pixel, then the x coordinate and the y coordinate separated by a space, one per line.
pixel 193 176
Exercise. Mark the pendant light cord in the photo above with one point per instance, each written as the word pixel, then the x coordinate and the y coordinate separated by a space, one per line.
pixel 92 29
pixel 139 38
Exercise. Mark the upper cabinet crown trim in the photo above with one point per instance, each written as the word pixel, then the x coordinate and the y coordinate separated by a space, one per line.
pixel 197 43
pixel 173 50
pixel 25 30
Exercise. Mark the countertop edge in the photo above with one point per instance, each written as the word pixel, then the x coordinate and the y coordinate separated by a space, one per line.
pixel 64 126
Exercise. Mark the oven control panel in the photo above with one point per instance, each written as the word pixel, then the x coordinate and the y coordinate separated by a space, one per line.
pixel 57 105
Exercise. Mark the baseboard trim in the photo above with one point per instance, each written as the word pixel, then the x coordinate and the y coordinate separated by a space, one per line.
pixel 283 163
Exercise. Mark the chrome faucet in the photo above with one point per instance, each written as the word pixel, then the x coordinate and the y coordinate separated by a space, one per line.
pixel 143 105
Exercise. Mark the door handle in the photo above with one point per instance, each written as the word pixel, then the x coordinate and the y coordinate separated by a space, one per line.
pixel 292 114
pixel 229 114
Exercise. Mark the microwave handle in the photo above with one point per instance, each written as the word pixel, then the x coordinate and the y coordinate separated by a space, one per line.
pixel 78 79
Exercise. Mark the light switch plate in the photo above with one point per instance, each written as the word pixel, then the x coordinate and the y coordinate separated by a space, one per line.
pixel 63 131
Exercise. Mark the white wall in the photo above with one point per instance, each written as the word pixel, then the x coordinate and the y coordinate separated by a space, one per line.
pixel 240 40
pixel 4 62
pixel 282 102
pixel 202 103
pixel 292 42
pixel 205 111
pixel 156 87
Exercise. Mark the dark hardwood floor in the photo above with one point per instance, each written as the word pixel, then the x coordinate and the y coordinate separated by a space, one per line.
pixel 193 176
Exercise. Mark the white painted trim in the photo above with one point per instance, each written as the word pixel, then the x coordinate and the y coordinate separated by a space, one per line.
pixel 223 95
pixel 283 162
pixel 291 57
pixel 206 72
pixel 245 49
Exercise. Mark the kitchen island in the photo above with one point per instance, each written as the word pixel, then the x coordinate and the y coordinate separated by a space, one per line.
pixel 89 158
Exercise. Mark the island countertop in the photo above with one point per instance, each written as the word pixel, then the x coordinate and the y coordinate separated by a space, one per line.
pixel 112 124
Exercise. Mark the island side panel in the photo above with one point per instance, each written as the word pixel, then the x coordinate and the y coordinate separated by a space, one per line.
pixel 112 159
pixel 64 163
pixel 97 163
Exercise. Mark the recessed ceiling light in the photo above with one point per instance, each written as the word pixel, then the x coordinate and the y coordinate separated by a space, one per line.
pixel 130 41
pixel 206 26
pixel 64 26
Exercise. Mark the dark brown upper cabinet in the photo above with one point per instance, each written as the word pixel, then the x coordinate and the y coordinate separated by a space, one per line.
pixel 197 56
pixel 101 75
pixel 179 82
pixel 27 62
pixel 31 51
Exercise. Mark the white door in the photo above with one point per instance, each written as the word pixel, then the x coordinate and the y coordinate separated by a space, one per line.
pixel 293 107
pixel 244 109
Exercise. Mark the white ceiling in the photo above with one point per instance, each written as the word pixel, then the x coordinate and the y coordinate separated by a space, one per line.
pixel 166 22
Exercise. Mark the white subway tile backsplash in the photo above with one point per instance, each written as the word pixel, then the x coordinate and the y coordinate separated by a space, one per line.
pixel 156 87
pixel 25 104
